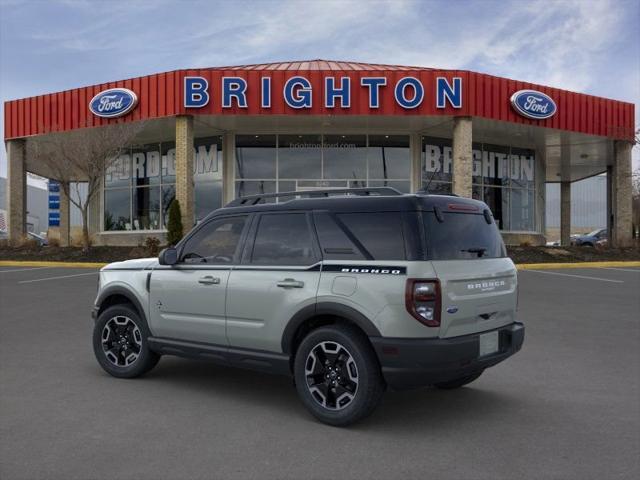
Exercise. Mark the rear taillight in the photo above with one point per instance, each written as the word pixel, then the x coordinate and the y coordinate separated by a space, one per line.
pixel 422 298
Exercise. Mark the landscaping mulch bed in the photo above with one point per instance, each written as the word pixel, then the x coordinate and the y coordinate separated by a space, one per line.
pixel 571 254
pixel 114 254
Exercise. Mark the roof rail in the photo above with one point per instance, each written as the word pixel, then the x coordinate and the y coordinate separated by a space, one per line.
pixel 255 199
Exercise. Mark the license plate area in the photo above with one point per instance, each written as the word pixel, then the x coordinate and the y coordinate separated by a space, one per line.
pixel 489 343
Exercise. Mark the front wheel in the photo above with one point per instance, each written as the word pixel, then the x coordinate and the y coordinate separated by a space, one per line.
pixel 337 375
pixel 120 343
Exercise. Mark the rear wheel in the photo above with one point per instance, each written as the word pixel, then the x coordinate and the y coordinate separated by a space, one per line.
pixel 458 382
pixel 337 375
pixel 120 343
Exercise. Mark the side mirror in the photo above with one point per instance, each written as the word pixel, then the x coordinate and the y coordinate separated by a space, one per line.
pixel 168 256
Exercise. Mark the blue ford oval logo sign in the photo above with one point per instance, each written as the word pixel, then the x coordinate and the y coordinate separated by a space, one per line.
pixel 533 104
pixel 114 102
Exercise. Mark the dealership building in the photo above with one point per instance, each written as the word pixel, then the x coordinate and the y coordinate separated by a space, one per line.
pixel 211 135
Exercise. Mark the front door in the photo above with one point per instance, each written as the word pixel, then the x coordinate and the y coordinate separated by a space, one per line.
pixel 187 300
pixel 279 276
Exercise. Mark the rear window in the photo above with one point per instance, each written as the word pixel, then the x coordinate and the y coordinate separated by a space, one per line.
pixel 361 236
pixel 462 236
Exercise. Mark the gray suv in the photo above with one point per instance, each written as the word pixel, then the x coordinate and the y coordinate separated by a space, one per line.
pixel 350 292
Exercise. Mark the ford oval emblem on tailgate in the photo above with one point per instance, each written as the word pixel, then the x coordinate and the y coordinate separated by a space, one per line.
pixel 452 309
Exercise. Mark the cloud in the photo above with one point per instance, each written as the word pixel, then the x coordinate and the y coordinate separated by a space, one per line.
pixel 584 45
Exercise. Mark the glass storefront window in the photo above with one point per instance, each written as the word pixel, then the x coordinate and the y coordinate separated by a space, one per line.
pixel 299 156
pixel 168 194
pixel 311 162
pixel 497 200
pixel 117 209
pixel 389 156
pixel 344 156
pixel 118 174
pixel 521 206
pixel 146 208
pixel 145 164
pixel 437 163
pixel 151 171
pixel 522 167
pixel 256 156
pixel 504 177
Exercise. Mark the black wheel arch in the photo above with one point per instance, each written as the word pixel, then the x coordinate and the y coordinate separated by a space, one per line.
pixel 323 313
pixel 118 295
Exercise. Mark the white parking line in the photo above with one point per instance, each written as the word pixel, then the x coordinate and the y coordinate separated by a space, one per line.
pixel 57 278
pixel 576 276
pixel 637 270
pixel 24 269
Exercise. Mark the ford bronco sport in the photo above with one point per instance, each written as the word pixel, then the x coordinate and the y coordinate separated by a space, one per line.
pixel 349 292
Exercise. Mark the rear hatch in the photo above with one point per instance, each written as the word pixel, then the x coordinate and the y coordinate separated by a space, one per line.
pixel 478 283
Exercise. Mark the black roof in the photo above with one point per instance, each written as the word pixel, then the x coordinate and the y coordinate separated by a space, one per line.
pixel 393 202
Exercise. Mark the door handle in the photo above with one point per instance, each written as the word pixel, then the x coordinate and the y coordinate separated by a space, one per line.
pixel 209 280
pixel 290 283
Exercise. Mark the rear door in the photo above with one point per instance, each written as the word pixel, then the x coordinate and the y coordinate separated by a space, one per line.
pixel 478 282
pixel 187 300
pixel 278 276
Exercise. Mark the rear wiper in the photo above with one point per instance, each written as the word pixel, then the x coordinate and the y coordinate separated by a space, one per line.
pixel 479 250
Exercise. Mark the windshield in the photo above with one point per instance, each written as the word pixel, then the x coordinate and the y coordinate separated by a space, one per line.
pixel 594 233
pixel 462 236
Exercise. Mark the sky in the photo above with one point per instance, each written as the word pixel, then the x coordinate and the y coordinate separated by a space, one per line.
pixel 581 45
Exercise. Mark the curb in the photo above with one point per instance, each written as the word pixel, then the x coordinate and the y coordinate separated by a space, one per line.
pixel 27 263
pixel 549 266
pixel 519 266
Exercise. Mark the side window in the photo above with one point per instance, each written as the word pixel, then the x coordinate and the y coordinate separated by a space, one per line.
pixel 334 242
pixel 283 239
pixel 379 233
pixel 216 242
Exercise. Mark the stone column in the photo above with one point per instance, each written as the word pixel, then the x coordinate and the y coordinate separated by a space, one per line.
pixel 184 170
pixel 415 147
pixel 462 156
pixel 565 213
pixel 621 184
pixel 228 167
pixel 16 191
pixel 65 216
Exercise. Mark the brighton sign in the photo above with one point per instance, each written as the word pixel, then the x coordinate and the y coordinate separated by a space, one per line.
pixel 533 104
pixel 113 103
pixel 408 92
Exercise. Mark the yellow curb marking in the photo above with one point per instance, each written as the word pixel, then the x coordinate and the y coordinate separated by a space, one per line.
pixel 553 266
pixel 16 263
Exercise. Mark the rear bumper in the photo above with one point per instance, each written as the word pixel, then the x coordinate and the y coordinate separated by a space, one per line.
pixel 410 363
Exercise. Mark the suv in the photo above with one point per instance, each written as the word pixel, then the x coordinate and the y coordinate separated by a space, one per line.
pixel 348 294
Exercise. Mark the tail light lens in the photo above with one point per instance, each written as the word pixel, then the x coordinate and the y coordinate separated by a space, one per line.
pixel 422 298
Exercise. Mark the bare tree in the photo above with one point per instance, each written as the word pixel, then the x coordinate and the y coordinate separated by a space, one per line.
pixel 82 156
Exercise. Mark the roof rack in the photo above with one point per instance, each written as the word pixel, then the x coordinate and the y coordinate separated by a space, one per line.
pixel 255 199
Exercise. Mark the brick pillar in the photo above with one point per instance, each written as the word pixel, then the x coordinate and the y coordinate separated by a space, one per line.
pixel 621 185
pixel 415 147
pixel 228 167
pixel 565 213
pixel 16 191
pixel 184 170
pixel 65 218
pixel 462 156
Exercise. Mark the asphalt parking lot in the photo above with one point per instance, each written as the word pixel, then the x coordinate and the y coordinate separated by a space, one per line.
pixel 567 406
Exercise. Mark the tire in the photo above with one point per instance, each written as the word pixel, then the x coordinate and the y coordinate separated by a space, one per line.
pixel 120 342
pixel 458 382
pixel 346 389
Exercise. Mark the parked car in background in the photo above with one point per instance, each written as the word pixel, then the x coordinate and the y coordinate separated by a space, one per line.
pixel 41 239
pixel 590 239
